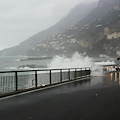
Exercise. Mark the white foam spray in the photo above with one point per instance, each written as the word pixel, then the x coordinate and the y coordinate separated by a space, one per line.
pixel 76 61
pixel 105 63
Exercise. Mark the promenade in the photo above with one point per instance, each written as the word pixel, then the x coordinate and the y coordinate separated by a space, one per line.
pixel 93 98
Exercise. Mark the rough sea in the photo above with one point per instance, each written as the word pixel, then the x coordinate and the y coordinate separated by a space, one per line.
pixel 9 63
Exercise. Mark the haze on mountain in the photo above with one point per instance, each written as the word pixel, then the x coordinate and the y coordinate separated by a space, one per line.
pixel 20 19
pixel 74 16
pixel 79 31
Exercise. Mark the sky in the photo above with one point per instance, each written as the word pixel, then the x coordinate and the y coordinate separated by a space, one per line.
pixel 20 19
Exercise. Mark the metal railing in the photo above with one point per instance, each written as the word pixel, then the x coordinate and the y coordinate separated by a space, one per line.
pixel 11 81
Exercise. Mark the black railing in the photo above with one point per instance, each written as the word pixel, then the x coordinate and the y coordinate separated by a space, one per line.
pixel 11 81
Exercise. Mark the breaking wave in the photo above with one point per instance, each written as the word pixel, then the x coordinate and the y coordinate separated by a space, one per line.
pixel 76 61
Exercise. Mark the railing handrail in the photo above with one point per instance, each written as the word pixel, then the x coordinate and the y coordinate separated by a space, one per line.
pixel 42 70
pixel 54 76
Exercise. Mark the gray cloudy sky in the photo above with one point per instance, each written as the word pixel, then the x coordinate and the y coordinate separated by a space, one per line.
pixel 20 19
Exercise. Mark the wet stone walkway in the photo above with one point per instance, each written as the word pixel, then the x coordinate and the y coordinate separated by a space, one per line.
pixel 95 98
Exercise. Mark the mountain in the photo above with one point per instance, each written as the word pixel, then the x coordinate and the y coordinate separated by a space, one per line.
pixel 108 3
pixel 99 37
pixel 107 35
pixel 94 33
pixel 75 15
pixel 97 33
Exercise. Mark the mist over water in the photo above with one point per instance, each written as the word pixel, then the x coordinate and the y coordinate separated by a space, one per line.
pixel 76 61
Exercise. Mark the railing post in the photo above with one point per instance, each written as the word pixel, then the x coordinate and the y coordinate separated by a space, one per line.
pixel 50 77
pixel 36 83
pixel 89 71
pixel 85 72
pixel 75 73
pixel 60 75
pixel 69 73
pixel 81 72
pixel 16 81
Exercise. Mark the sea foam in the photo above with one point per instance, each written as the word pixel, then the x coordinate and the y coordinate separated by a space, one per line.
pixel 76 61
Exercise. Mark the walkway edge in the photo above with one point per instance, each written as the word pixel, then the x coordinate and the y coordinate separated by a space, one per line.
pixel 27 91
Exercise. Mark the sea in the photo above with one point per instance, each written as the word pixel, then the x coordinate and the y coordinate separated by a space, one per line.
pixel 11 63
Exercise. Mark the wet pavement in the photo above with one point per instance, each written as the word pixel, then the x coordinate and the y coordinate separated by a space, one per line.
pixel 95 98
